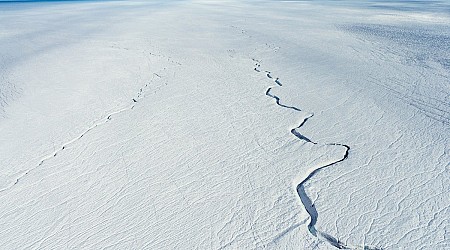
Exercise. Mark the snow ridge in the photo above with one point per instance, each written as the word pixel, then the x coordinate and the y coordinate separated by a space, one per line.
pixel 306 201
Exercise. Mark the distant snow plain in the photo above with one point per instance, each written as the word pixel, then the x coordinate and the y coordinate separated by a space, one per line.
pixel 224 125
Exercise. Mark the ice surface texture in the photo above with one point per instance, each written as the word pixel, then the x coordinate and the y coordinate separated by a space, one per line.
pixel 224 125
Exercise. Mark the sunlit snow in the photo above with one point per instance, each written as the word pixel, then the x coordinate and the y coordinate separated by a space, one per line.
pixel 224 124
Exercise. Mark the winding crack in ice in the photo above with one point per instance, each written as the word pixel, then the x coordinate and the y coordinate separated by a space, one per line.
pixel 97 123
pixel 306 201
pixel 64 146
pixel 309 205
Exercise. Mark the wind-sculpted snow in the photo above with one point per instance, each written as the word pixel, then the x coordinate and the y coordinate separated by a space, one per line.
pixel 8 90
pixel 55 153
pixel 341 217
pixel 421 48
pixel 108 117
pixel 138 125
pixel 307 202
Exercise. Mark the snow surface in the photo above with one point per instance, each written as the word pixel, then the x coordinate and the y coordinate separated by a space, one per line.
pixel 224 125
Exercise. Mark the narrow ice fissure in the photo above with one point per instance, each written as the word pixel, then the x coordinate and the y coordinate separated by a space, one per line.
pixel 96 124
pixel 304 198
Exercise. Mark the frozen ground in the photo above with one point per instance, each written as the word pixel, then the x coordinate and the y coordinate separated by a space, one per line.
pixel 224 125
